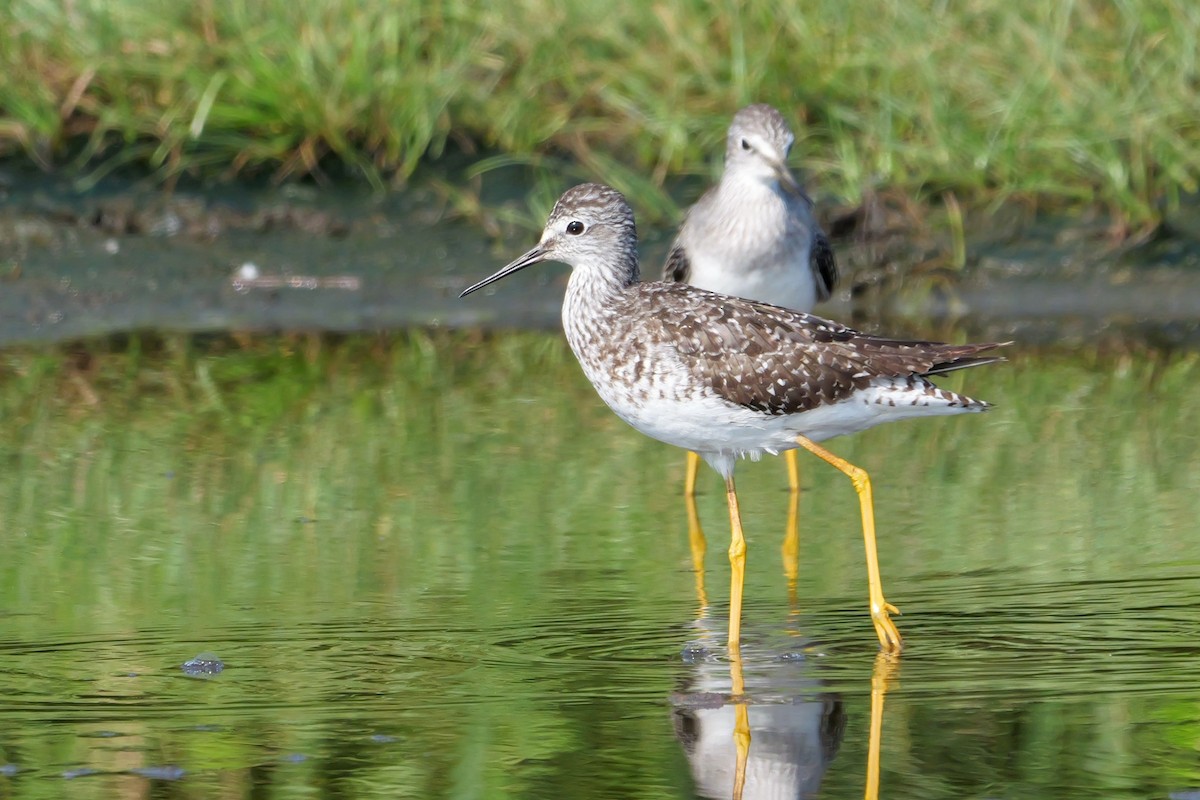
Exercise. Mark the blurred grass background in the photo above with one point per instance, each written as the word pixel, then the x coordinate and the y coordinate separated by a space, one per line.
pixel 1087 103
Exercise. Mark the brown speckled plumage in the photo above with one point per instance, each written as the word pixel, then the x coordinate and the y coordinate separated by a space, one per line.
pixel 780 361
pixel 762 357
pixel 656 346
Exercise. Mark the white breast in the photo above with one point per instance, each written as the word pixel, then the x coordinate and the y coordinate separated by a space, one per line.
pixel 750 241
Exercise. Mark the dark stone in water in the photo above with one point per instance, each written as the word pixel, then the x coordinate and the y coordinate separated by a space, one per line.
pixel 203 664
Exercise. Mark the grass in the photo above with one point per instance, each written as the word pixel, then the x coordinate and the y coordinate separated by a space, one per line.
pixel 1089 102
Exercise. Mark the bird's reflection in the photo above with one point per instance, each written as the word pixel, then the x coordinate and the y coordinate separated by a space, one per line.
pixel 757 721
pixel 762 720
pixel 761 724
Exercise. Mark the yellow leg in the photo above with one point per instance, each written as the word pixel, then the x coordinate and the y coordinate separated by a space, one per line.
pixel 793 465
pixel 695 531
pixel 886 665
pixel 689 480
pixel 737 566
pixel 741 719
pixel 885 629
pixel 699 546
pixel 791 536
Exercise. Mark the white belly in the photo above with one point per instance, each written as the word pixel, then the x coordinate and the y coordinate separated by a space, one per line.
pixel 759 249
pixel 723 433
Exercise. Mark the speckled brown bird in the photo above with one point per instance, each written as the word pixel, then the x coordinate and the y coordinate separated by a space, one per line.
pixel 727 377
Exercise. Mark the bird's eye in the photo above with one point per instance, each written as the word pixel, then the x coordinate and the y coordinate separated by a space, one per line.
pixel 574 227
pixel 745 144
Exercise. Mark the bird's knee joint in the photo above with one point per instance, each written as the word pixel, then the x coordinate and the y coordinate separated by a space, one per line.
pixel 860 479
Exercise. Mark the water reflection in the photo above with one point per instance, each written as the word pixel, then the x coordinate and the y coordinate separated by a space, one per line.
pixel 763 723
pixel 1053 598
pixel 760 723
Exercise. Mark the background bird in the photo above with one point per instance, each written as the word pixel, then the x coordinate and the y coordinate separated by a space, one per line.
pixel 754 235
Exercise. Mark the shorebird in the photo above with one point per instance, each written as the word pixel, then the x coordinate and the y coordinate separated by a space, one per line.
pixel 754 235
pixel 727 377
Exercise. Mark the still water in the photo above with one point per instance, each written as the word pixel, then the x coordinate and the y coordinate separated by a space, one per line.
pixel 436 566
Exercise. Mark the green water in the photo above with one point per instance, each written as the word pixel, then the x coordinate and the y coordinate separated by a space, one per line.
pixel 439 567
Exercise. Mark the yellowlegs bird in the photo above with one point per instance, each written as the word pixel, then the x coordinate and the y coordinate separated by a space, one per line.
pixel 727 377
pixel 754 235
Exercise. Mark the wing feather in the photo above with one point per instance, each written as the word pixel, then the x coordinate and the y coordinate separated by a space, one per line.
pixel 780 361
pixel 677 267
pixel 823 263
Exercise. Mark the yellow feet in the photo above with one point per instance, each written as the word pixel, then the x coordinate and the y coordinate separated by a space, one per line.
pixel 885 629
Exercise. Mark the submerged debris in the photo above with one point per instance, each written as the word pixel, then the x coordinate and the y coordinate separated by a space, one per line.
pixel 203 665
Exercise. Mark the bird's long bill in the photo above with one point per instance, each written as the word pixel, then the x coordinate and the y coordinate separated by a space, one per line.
pixel 532 257
pixel 787 181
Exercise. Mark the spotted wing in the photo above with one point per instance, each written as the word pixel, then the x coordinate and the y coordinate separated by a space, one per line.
pixel 677 268
pixel 779 361
pixel 823 264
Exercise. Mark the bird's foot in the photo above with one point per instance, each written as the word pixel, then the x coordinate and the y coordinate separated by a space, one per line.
pixel 885 629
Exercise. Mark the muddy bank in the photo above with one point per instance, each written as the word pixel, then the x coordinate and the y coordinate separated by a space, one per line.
pixel 125 255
